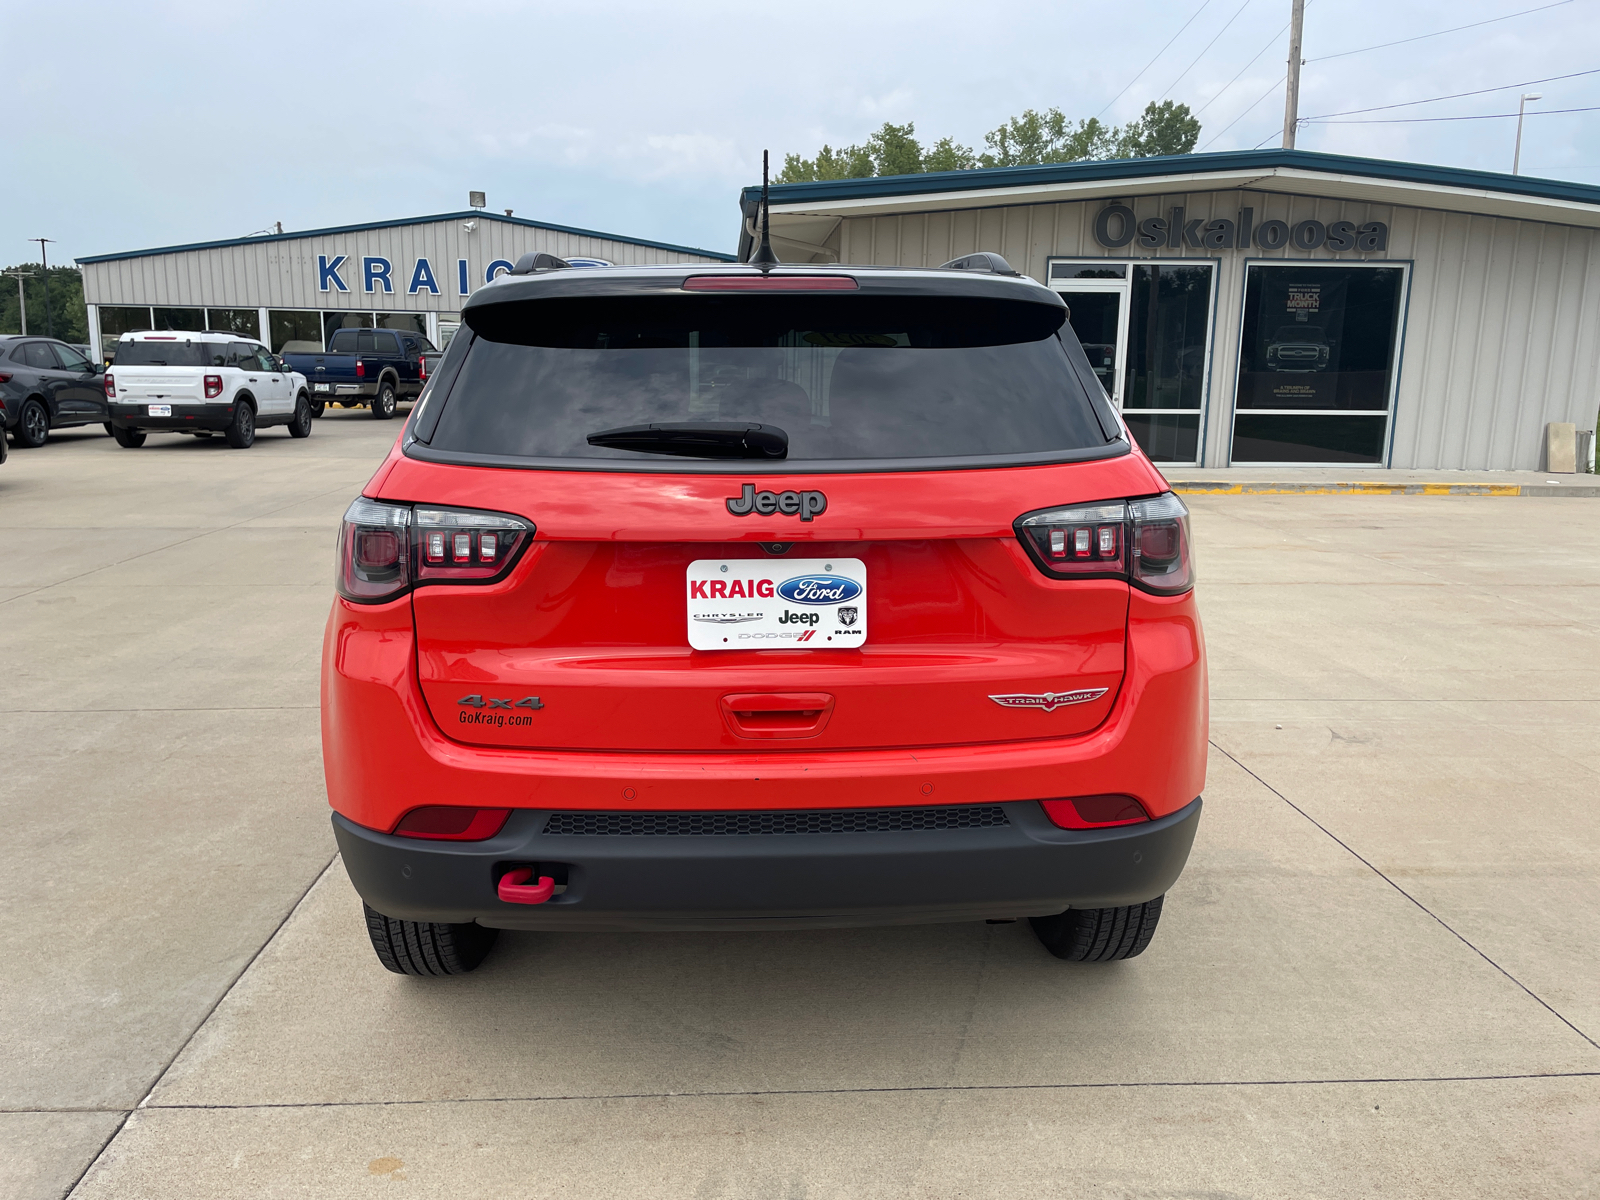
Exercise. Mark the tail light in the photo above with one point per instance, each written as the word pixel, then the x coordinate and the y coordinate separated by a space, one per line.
pixel 447 823
pixel 5 377
pixel 361 369
pixel 213 386
pixel 111 386
pixel 1143 541
pixel 422 369
pixel 1094 812
pixel 387 549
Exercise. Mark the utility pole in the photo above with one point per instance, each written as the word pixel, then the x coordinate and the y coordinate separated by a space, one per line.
pixel 22 301
pixel 1291 100
pixel 49 323
pixel 1516 156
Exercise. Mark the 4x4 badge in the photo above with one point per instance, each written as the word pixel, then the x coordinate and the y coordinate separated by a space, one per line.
pixel 477 701
pixel 1049 701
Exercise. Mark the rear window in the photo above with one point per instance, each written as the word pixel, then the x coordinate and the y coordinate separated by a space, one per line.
pixel 171 354
pixel 846 378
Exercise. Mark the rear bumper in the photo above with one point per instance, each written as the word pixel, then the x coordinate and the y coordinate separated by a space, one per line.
pixel 1025 868
pixel 184 416
pixel 339 390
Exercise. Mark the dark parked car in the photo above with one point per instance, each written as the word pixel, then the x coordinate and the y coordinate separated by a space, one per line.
pixel 45 385
pixel 377 367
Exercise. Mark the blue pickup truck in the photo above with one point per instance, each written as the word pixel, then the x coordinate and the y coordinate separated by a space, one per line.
pixel 377 367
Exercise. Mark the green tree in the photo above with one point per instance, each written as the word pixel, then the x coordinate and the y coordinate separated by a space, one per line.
pixel 67 315
pixel 1164 128
pixel 1034 137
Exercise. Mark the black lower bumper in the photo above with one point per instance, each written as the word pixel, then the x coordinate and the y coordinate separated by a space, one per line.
pixel 1026 867
pixel 216 417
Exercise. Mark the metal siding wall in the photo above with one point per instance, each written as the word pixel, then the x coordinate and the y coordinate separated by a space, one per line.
pixel 283 274
pixel 1502 329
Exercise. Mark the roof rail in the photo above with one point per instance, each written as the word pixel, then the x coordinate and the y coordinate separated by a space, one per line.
pixel 984 260
pixel 538 260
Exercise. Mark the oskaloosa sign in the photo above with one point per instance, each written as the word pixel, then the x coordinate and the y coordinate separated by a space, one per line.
pixel 1116 226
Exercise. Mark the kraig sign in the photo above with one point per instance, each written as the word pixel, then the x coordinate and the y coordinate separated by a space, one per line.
pixel 1116 226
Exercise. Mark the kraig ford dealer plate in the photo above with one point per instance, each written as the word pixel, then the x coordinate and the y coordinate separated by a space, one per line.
pixel 776 604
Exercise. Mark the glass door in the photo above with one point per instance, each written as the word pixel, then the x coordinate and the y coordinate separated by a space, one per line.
pixel 1168 356
pixel 1096 294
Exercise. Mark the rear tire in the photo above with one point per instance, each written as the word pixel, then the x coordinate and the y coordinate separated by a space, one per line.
pixel 110 430
pixel 33 425
pixel 318 407
pixel 383 403
pixel 427 948
pixel 241 432
pixel 301 425
pixel 1099 934
pixel 128 439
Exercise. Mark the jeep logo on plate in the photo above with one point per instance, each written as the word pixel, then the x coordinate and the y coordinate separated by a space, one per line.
pixel 819 589
pixel 804 505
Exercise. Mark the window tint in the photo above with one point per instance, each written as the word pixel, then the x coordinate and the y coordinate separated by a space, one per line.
pixel 71 360
pixel 344 342
pixel 385 343
pixel 857 378
pixel 37 354
pixel 167 354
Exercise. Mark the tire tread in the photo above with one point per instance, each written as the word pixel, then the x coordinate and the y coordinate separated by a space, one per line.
pixel 1100 934
pixel 427 947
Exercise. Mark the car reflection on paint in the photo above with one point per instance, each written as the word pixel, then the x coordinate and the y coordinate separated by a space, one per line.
pixel 1299 348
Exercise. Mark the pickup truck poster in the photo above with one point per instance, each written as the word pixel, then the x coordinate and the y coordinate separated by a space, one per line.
pixel 1319 338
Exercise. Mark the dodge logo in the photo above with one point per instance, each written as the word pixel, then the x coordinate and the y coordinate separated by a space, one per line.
pixel 804 505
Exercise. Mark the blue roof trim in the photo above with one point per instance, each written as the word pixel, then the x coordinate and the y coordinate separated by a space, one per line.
pixel 469 215
pixel 1112 170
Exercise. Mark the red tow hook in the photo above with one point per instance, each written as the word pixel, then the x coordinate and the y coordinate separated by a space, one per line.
pixel 515 889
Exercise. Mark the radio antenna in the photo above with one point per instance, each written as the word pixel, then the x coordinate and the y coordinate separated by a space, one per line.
pixel 764 259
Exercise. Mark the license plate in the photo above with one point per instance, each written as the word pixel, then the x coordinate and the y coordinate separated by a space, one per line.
pixel 776 603
pixel 322 387
pixel 159 410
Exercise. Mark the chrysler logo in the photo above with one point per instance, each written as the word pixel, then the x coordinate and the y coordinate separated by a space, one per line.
pixel 1049 701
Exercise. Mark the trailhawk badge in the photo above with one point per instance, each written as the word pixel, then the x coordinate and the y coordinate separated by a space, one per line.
pixel 1049 701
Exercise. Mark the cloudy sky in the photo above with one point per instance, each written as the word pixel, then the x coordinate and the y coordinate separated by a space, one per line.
pixel 135 125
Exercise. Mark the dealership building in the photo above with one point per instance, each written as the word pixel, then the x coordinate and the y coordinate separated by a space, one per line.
pixel 1275 307
pixel 410 274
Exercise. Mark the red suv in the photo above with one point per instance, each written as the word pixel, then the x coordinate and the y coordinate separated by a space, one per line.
pixel 733 598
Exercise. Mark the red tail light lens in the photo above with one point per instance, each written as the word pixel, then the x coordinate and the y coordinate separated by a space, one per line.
pixel 422 369
pixel 1094 812
pixel 213 386
pixel 5 377
pixel 361 369
pixel 1143 541
pixel 111 386
pixel 386 549
pixel 451 824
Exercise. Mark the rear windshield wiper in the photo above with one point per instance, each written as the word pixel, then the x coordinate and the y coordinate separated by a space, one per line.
pixel 689 439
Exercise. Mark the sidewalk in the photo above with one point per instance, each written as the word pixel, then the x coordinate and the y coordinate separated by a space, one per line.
pixel 1331 481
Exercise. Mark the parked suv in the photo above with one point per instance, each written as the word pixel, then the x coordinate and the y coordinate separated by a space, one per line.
pixel 718 598
pixel 200 384
pixel 45 385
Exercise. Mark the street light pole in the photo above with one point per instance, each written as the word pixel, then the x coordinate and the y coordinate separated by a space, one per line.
pixel 1516 157
pixel 22 300
pixel 1291 99
pixel 49 322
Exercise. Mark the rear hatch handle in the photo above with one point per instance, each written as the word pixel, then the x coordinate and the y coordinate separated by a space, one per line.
pixel 766 715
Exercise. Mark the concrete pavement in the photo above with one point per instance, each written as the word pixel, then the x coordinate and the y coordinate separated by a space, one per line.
pixel 1377 977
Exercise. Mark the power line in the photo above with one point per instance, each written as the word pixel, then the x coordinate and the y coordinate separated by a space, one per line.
pixel 1152 62
pixel 1439 33
pixel 1168 93
pixel 1282 79
pixel 1454 96
pixel 1245 68
pixel 1542 112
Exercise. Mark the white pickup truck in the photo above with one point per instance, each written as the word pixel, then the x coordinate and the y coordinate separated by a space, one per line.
pixel 200 384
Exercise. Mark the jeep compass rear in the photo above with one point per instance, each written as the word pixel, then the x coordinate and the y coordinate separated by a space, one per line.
pixel 725 598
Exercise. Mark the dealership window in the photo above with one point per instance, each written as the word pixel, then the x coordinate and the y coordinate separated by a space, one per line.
pixel 1317 363
pixel 410 322
pixel 116 320
pixel 332 322
pixel 1146 328
pixel 186 319
pixel 235 320
pixel 294 331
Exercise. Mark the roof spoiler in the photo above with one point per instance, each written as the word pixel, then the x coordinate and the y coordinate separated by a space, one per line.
pixel 538 260
pixel 984 260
